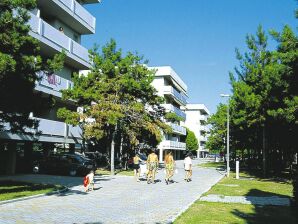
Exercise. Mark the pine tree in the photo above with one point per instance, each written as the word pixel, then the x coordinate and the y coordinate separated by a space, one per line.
pixel 20 60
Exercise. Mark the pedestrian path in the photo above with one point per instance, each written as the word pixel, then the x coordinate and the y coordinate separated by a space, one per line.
pixel 116 199
pixel 253 200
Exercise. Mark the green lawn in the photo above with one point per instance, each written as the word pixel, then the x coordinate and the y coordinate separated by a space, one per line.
pixel 117 172
pixel 12 190
pixel 212 213
pixel 212 165
pixel 252 187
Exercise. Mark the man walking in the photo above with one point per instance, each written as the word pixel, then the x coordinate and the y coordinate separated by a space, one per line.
pixel 152 165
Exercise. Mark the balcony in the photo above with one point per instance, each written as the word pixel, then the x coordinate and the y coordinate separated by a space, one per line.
pixel 173 145
pixel 203 118
pixel 203 138
pixel 171 108
pixel 52 84
pixel 53 41
pixel 178 97
pixel 74 131
pixel 71 13
pixel 178 129
pixel 48 130
pixel 203 128
pixel 53 128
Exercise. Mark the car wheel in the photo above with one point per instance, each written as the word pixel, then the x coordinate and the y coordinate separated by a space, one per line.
pixel 73 173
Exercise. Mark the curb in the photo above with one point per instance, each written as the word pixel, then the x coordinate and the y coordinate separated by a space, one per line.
pixel 171 220
pixel 65 189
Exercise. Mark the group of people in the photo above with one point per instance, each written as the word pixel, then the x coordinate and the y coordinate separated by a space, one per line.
pixel 152 166
pixel 170 167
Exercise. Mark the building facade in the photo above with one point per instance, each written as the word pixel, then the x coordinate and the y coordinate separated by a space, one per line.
pixel 174 90
pixel 58 25
pixel 196 118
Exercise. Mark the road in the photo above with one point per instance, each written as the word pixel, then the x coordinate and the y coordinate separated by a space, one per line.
pixel 118 199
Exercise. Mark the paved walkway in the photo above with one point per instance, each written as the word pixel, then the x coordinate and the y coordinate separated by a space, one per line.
pixel 116 199
pixel 253 200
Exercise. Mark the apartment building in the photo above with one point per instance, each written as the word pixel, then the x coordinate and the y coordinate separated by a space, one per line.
pixel 169 85
pixel 58 25
pixel 196 118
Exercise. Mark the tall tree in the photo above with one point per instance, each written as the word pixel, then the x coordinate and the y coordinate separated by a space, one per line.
pixel 20 61
pixel 250 100
pixel 218 131
pixel 191 141
pixel 116 97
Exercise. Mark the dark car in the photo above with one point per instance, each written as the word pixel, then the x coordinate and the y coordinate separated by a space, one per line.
pixel 64 164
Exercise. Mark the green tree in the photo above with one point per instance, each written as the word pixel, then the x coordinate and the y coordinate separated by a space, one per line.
pixel 218 130
pixel 251 92
pixel 191 141
pixel 20 61
pixel 264 102
pixel 117 98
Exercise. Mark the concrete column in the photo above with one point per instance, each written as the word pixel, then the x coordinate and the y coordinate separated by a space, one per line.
pixel 11 159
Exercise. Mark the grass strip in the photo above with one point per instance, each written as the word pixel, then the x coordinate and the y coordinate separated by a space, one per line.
pixel 212 213
pixel 15 189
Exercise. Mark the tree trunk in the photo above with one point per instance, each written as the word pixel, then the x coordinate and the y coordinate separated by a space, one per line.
pixel 113 154
pixel 113 151
pixel 264 152
pixel 121 151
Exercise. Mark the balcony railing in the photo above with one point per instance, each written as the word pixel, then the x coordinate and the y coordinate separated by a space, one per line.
pixel 203 138
pixel 178 96
pixel 50 127
pixel 52 84
pixel 167 144
pixel 74 131
pixel 77 10
pixel 171 108
pixel 178 129
pixel 58 39
pixel 203 118
pixel 203 128
pixel 84 14
pixel 57 128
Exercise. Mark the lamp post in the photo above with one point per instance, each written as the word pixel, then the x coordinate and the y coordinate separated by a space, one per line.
pixel 228 133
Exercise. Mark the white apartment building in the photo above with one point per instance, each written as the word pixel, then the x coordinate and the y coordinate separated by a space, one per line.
pixel 196 118
pixel 58 25
pixel 169 85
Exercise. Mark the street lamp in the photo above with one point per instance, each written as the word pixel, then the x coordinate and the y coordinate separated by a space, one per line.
pixel 228 133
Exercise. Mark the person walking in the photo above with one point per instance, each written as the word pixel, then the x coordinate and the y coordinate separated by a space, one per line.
pixel 169 166
pixel 188 167
pixel 136 167
pixel 152 165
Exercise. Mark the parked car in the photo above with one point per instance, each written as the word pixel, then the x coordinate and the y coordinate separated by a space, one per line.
pixel 64 164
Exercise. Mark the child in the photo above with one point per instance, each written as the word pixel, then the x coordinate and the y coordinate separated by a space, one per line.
pixel 187 167
pixel 89 181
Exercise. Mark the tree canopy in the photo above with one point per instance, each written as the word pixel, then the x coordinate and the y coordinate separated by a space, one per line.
pixel 191 141
pixel 264 101
pixel 117 97
pixel 20 61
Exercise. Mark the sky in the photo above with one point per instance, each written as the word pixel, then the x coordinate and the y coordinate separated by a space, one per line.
pixel 197 38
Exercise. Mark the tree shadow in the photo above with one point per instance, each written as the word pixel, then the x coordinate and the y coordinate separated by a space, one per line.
pixel 16 187
pixel 266 213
